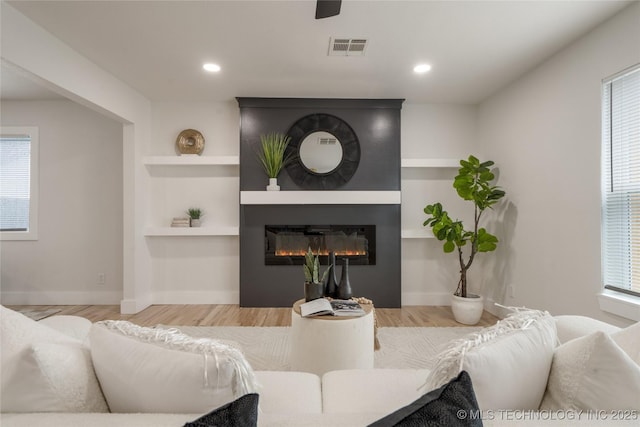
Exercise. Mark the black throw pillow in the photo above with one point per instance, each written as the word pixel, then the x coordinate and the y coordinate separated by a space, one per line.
pixel 242 412
pixel 452 405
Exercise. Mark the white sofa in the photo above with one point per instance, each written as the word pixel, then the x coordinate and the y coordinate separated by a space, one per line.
pixel 339 398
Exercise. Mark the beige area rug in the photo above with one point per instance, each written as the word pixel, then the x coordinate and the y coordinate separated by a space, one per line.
pixel 267 348
pixel 38 314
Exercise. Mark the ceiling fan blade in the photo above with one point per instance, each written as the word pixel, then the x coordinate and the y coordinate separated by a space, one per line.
pixel 327 8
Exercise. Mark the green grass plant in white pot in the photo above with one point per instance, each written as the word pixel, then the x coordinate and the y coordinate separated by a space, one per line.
pixel 272 156
pixel 473 183
pixel 195 214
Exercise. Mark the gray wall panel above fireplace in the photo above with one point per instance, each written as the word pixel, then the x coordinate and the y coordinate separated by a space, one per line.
pixel 376 123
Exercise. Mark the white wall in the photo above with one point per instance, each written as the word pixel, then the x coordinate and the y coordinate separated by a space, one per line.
pixel 28 48
pixel 80 209
pixel 429 276
pixel 206 269
pixel 203 269
pixel 544 132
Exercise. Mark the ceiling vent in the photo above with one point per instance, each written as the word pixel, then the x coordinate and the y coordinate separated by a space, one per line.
pixel 339 46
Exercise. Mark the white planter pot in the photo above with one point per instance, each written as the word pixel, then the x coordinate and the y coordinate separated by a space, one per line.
pixel 467 311
pixel 195 222
pixel 273 185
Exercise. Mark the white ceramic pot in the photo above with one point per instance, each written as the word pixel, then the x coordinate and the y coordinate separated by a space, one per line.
pixel 467 311
pixel 273 185
pixel 195 222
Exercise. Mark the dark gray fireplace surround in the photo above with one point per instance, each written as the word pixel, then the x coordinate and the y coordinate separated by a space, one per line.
pixel 376 122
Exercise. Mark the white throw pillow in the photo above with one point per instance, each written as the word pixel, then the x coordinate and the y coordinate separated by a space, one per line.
pixel 44 370
pixel 164 371
pixel 592 373
pixel 73 326
pixel 571 326
pixel 69 369
pixel 508 363
pixel 629 340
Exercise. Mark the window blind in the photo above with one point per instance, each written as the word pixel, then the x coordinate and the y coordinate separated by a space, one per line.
pixel 621 181
pixel 15 184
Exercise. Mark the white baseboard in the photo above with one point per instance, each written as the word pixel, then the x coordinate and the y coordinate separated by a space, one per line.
pixel 196 297
pixel 61 298
pixel 127 306
pixel 133 306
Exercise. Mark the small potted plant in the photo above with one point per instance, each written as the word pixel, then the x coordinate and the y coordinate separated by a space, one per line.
pixel 313 283
pixel 194 215
pixel 473 183
pixel 272 156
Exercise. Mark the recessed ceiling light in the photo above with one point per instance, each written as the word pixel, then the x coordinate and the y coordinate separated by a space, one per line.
pixel 421 68
pixel 212 68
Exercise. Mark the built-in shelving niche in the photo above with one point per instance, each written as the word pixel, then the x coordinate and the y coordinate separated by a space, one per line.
pixel 425 163
pixel 196 166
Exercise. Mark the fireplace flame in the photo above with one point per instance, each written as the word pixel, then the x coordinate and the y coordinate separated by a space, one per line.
pixel 282 252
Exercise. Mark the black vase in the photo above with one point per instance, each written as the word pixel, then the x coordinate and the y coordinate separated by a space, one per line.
pixel 344 288
pixel 331 288
pixel 313 291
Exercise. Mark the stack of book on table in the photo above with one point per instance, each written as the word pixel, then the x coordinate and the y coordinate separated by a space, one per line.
pixel 181 222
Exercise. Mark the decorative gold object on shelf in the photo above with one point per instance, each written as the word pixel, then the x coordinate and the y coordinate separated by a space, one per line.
pixel 189 141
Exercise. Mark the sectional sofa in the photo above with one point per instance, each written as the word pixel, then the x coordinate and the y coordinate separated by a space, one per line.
pixel 528 370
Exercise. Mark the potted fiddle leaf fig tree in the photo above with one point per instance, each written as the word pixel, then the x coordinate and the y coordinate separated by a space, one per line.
pixel 473 183
pixel 271 155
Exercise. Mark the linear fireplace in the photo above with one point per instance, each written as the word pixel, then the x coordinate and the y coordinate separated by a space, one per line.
pixel 287 244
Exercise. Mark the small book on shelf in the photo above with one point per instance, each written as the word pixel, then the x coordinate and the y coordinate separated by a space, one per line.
pixel 336 307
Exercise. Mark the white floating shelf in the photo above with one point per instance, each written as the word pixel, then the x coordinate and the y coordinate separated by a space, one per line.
pixel 430 163
pixel 320 197
pixel 417 234
pixel 191 160
pixel 192 231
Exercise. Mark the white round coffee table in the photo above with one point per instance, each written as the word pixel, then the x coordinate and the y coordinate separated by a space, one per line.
pixel 328 343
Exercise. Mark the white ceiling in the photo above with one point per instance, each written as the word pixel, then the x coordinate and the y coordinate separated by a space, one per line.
pixel 277 49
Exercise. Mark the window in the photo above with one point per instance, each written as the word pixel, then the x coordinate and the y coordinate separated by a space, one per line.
pixel 18 183
pixel 621 182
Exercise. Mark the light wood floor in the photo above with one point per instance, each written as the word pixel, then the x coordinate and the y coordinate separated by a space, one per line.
pixel 233 315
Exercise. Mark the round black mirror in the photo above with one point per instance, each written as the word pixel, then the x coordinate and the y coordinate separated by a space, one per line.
pixel 326 149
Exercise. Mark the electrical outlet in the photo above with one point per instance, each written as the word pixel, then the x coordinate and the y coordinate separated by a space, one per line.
pixel 102 278
pixel 512 291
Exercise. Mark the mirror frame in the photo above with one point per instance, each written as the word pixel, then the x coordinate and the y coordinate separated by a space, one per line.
pixel 345 135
